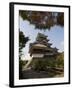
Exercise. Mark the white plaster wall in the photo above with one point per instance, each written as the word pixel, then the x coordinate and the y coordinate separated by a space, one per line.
pixel 38 55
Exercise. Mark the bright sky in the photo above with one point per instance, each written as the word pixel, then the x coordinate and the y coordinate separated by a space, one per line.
pixel 55 35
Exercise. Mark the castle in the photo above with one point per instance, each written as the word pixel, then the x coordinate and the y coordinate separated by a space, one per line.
pixel 41 47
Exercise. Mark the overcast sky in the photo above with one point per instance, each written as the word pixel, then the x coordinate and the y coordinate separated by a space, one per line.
pixel 55 35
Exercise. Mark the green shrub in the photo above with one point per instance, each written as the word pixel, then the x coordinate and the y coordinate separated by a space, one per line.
pixel 21 64
pixel 51 62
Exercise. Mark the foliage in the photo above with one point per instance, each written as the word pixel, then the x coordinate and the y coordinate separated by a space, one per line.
pixel 60 19
pixel 43 20
pixel 39 64
pixel 21 64
pixel 60 60
pixel 50 62
pixel 22 42
pixel 20 68
pixel 43 63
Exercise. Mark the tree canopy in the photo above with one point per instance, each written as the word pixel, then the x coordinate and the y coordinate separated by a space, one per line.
pixel 22 42
pixel 43 20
